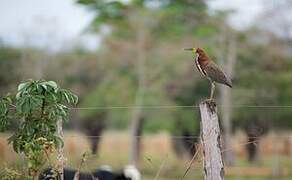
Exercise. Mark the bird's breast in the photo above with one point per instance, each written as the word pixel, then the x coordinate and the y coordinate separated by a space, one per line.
pixel 199 66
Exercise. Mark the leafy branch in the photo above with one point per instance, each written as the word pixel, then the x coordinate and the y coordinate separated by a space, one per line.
pixel 39 104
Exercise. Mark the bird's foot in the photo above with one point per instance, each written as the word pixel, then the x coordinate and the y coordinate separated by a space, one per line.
pixel 211 103
pixel 210 100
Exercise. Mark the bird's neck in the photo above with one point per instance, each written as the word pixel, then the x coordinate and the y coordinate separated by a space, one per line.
pixel 203 59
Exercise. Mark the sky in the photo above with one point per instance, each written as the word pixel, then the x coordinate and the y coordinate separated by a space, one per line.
pixel 44 23
pixel 246 11
pixel 54 24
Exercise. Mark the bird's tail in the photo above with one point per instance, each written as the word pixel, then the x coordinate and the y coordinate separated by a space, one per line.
pixel 228 83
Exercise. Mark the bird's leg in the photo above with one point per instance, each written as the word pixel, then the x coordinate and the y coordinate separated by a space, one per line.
pixel 211 103
pixel 212 90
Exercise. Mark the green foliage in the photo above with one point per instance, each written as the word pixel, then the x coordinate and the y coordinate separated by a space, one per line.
pixel 171 18
pixel 10 174
pixel 262 75
pixel 10 58
pixel 205 30
pixel 39 105
pixel 117 91
pixel 109 12
pixel 128 21
pixel 4 112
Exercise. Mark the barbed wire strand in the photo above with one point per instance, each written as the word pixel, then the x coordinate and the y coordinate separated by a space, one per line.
pixel 169 136
pixel 174 107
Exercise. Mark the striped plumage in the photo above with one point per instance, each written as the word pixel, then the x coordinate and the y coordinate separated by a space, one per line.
pixel 209 69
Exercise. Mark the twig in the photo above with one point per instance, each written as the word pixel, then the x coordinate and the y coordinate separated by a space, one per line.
pixel 242 144
pixel 91 174
pixel 191 162
pixel 76 176
pixel 48 158
pixel 161 166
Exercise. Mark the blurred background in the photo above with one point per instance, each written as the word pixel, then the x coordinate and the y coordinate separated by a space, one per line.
pixel 138 89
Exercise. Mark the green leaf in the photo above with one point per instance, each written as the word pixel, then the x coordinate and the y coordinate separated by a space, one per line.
pixel 19 104
pixel 25 107
pixel 18 95
pixel 21 86
pixel 66 96
pixel 44 86
pixel 52 84
pixel 75 99
pixel 36 101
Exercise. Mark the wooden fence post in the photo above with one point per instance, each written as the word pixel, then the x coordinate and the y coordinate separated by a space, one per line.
pixel 210 140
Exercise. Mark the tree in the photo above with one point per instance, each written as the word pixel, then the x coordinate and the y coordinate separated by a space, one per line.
pixel 94 127
pixel 143 50
pixel 133 22
pixel 9 58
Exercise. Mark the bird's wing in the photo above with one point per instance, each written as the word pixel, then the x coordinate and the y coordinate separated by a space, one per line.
pixel 217 75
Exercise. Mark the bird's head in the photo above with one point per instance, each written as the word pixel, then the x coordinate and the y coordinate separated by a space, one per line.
pixel 191 49
pixel 199 52
pixel 195 50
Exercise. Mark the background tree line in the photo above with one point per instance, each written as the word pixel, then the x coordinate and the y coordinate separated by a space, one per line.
pixel 141 63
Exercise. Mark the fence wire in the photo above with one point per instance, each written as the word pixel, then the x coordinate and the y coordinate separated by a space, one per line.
pixel 176 137
pixel 175 107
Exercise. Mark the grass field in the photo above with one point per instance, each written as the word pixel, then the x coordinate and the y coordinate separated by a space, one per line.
pixel 158 159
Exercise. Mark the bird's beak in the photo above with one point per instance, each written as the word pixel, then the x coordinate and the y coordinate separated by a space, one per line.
pixel 190 49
